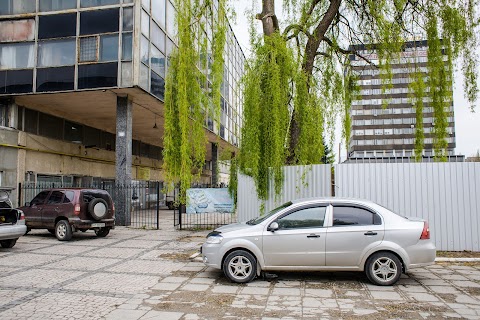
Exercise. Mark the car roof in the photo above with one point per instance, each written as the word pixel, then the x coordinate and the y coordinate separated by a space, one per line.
pixel 333 199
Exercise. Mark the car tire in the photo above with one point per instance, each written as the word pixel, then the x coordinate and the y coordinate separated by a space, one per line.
pixel 63 230
pixel 52 231
pixel 28 230
pixel 240 266
pixel 98 208
pixel 102 232
pixel 8 243
pixel 383 268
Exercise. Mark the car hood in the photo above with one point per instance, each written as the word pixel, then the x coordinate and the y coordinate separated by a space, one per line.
pixel 233 227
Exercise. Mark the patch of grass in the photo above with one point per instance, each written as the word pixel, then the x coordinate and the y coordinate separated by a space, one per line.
pixel 458 254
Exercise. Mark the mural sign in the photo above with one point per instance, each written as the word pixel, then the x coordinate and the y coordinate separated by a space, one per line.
pixel 209 200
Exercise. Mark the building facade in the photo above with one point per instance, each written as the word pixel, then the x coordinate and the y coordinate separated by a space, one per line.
pixel 388 134
pixel 82 90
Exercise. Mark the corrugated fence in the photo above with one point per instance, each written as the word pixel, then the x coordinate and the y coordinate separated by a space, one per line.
pixel 445 194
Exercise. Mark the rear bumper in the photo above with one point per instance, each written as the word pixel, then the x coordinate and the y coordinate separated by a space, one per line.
pixel 422 254
pixel 89 224
pixel 12 232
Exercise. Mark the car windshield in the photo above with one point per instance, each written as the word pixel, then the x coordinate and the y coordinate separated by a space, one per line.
pixel 262 218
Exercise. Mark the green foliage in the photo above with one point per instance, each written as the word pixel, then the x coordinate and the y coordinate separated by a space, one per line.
pixel 417 92
pixel 186 101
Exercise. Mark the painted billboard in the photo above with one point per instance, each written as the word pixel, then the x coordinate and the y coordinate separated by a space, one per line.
pixel 209 200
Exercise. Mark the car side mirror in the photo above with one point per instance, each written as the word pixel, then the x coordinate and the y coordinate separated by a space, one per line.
pixel 273 226
pixel 27 204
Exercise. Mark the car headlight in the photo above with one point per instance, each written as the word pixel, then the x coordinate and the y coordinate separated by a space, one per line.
pixel 214 239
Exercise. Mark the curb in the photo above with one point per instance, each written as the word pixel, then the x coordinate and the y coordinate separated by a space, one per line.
pixel 457 260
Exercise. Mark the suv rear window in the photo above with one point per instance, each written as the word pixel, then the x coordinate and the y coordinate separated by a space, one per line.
pixel 89 195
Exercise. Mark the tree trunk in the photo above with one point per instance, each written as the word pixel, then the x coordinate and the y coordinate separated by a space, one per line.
pixel 268 18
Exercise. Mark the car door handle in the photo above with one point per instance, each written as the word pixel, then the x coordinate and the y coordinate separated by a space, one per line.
pixel 370 233
pixel 313 236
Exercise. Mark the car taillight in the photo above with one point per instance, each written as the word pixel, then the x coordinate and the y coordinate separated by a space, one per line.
pixel 22 216
pixel 425 232
pixel 77 209
pixel 113 208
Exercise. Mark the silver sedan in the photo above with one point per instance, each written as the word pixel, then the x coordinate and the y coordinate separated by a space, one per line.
pixel 323 234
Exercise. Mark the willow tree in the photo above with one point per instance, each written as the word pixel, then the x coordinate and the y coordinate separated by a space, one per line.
pixel 299 79
pixel 193 67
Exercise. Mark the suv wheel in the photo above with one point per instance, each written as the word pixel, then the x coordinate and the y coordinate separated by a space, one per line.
pixel 383 269
pixel 102 232
pixel 98 208
pixel 240 266
pixel 8 243
pixel 63 230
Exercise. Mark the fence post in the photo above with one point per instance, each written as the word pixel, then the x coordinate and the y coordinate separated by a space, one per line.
pixel 158 205
pixel 19 194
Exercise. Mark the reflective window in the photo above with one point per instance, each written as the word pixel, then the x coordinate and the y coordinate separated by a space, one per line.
pixel 127 46
pixel 127 76
pixel 353 216
pixel 16 55
pixel 88 49
pixel 99 21
pixel 16 81
pixel 128 19
pixel 95 3
pixel 73 132
pixel 157 60
pixel 31 121
pixel 109 47
pixel 144 76
pixel 170 18
pixel 17 30
pixel 69 196
pixel 56 53
pixel 304 218
pixel 55 5
pixel 16 6
pixel 157 36
pixel 55 79
pixel 40 198
pixel 158 11
pixel 50 126
pixel 57 25
pixel 56 197
pixel 97 75
pixel 144 50
pixel 157 86
pixel 146 4
pixel 145 23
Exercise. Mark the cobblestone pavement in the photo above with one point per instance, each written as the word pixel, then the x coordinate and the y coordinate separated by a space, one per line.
pixel 147 274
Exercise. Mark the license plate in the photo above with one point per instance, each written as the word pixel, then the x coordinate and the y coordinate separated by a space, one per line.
pixel 98 225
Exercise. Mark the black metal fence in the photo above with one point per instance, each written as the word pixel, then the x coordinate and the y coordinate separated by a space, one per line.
pixel 148 207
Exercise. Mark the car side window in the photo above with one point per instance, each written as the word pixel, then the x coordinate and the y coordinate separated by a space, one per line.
pixel 39 198
pixel 69 196
pixel 55 198
pixel 304 218
pixel 354 216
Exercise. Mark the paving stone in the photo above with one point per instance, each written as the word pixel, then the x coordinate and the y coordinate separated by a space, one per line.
pixel 286 291
pixel 321 293
pixel 386 295
pixel 466 284
pixel 194 287
pixel 163 315
pixel 225 289
pixel 166 286
pixel 422 296
pixel 175 279
pixel 255 290
pixel 125 315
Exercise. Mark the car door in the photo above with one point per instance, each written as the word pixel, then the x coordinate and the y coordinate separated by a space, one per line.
pixel 33 213
pixel 299 240
pixel 52 208
pixel 353 231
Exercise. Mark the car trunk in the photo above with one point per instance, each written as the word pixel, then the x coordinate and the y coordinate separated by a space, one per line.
pixel 8 216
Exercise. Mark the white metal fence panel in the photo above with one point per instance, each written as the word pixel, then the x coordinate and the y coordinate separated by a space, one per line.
pixel 445 194
pixel 299 182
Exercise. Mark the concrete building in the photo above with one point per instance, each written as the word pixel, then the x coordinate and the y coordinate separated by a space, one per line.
pixel 82 89
pixel 388 134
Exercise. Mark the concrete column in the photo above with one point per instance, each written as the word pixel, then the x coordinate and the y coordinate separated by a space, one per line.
pixel 123 161
pixel 214 164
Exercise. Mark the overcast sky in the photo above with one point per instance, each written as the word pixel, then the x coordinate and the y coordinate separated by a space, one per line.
pixel 467 124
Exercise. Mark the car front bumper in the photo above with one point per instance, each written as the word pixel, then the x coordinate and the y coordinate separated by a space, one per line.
pixel 211 255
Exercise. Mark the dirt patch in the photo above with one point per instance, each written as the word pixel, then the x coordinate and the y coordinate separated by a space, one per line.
pixel 465 264
pixel 458 254
pixel 178 256
pixel 198 239
pixel 472 291
pixel 448 297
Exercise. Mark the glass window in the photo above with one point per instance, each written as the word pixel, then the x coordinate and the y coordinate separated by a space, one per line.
pixel 170 19
pixel 88 49
pixel 97 75
pixel 109 47
pixel 127 77
pixel 158 37
pixel 73 132
pixel 57 25
pixel 99 21
pixel 144 76
pixel 17 30
pixel 56 53
pixel 144 50
pixel 157 86
pixel 16 55
pixel 55 5
pixel 92 136
pixel 56 197
pixel 69 196
pixel 158 11
pixel 304 218
pixel 50 126
pixel 157 61
pixel 31 121
pixel 40 198
pixel 16 81
pixel 145 24
pixel 127 46
pixel 146 4
pixel 353 216
pixel 55 79
pixel 128 19
pixel 16 6
pixel 95 3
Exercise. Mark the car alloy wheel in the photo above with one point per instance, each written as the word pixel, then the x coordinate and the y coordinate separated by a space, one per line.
pixel 63 230
pixel 240 266
pixel 384 268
